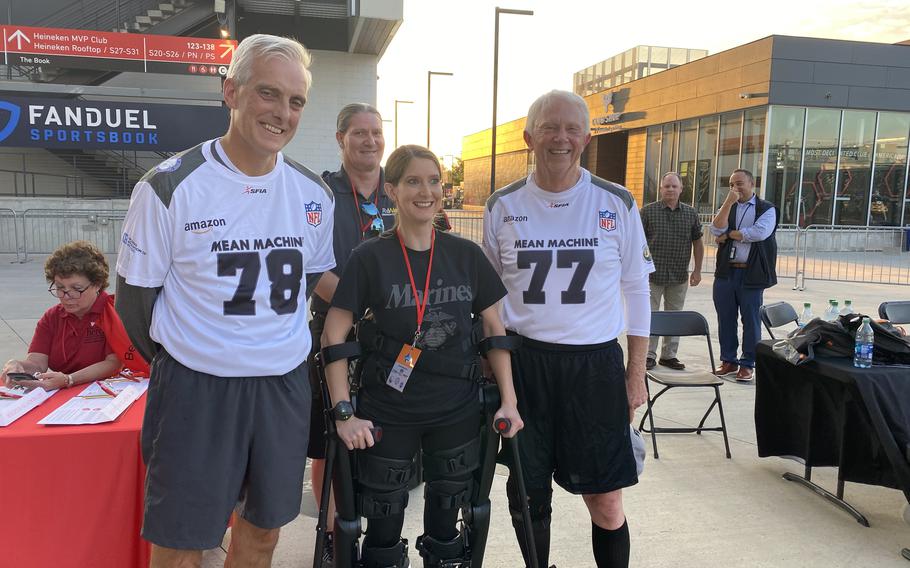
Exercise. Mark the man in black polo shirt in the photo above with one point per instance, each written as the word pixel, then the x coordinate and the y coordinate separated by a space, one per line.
pixel 674 233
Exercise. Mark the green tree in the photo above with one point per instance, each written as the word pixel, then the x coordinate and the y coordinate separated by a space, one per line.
pixel 457 171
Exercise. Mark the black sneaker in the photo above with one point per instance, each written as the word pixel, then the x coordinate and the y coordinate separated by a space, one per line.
pixel 650 363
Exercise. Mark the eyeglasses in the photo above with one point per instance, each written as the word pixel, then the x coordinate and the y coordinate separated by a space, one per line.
pixel 377 225
pixel 73 293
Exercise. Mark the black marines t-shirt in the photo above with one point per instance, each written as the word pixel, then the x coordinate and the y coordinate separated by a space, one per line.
pixel 462 283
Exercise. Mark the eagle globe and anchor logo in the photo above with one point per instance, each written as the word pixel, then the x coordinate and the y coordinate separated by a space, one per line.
pixel 12 122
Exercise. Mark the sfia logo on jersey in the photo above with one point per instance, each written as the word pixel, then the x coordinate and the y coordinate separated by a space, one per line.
pixel 557 204
pixel 204 226
pixel 249 190
pixel 607 220
pixel 510 219
pixel 313 213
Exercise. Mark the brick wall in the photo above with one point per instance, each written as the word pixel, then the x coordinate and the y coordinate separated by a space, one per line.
pixel 509 167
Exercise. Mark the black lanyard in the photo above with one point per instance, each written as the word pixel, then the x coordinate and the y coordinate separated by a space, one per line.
pixel 743 216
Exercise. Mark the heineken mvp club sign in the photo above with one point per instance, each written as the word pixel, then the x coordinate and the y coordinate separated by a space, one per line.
pixel 113 51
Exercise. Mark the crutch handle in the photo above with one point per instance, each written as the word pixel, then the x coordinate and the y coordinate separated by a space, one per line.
pixel 502 425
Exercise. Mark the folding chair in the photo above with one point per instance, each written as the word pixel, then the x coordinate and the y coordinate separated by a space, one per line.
pixel 682 323
pixel 895 312
pixel 776 315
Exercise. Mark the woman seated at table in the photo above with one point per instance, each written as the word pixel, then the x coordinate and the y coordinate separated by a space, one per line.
pixel 69 346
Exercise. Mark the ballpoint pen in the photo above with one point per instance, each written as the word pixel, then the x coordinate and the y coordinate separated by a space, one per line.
pixel 10 395
pixel 106 388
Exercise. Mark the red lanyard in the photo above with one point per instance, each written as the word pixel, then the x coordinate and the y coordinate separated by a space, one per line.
pixel 358 214
pixel 421 305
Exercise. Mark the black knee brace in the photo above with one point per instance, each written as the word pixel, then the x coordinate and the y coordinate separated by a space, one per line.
pixel 444 554
pixel 392 557
pixel 449 474
pixel 383 485
pixel 539 505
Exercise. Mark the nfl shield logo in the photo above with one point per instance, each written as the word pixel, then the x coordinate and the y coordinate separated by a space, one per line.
pixel 607 220
pixel 313 213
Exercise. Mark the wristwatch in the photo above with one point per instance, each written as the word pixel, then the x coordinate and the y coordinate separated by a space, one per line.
pixel 343 411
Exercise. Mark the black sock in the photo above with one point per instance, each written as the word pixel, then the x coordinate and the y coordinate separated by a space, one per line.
pixel 611 548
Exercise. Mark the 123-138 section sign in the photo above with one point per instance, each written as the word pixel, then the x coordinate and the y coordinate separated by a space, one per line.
pixel 114 51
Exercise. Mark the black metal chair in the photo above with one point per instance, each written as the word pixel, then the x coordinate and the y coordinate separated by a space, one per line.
pixel 776 315
pixel 895 312
pixel 683 323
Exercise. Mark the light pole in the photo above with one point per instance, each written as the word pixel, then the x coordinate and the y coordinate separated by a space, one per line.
pixel 396 118
pixel 496 86
pixel 430 76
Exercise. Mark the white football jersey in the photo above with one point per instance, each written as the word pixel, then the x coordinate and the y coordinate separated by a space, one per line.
pixel 231 253
pixel 565 258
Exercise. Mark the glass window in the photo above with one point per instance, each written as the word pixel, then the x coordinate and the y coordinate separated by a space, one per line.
pixel 785 148
pixel 704 168
pixel 652 164
pixel 754 143
pixel 642 53
pixel 678 56
pixel 731 128
pixel 668 147
pixel 688 132
pixel 659 57
pixel 857 137
pixel 889 176
pixel 819 168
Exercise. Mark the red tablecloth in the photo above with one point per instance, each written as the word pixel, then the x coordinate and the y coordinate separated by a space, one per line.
pixel 71 496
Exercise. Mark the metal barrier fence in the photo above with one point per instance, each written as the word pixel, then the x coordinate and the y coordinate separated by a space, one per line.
pixel 839 253
pixel 41 231
pixel 9 236
pixel 853 254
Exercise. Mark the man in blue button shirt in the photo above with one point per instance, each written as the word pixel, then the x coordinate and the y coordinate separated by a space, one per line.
pixel 744 230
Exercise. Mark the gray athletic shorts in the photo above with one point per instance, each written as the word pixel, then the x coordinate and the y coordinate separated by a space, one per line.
pixel 212 444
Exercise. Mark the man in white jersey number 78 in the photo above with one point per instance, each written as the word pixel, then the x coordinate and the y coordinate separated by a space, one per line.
pixel 572 253
pixel 221 247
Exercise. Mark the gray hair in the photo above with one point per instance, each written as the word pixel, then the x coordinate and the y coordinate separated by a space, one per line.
pixel 679 177
pixel 347 113
pixel 746 173
pixel 262 46
pixel 547 99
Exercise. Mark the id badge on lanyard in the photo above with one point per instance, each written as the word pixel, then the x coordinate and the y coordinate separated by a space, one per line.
pixel 409 354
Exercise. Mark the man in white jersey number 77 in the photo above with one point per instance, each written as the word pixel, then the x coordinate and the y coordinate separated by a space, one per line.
pixel 572 253
pixel 221 247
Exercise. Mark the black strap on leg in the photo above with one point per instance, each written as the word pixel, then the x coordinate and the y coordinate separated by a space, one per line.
pixel 346 350
pixel 507 342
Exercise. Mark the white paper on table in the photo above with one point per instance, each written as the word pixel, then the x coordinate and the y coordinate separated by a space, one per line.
pixel 12 410
pixel 94 406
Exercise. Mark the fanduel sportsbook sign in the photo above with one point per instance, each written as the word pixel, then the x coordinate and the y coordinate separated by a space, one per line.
pixel 63 123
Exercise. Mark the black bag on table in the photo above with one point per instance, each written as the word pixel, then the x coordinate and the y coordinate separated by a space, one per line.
pixel 891 347
pixel 818 338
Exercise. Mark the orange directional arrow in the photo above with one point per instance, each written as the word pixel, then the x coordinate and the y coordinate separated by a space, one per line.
pixel 228 48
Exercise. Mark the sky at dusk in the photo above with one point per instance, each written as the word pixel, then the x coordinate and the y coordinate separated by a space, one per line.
pixel 541 52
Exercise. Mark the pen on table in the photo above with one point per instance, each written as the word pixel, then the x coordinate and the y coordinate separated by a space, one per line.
pixel 9 395
pixel 128 375
pixel 106 388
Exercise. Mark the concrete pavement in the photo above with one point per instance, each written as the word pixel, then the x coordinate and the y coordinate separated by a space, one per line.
pixel 692 507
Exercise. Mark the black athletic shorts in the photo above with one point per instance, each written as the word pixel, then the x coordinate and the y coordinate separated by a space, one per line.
pixel 213 443
pixel 573 401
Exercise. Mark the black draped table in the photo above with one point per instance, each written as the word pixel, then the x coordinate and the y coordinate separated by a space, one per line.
pixel 830 414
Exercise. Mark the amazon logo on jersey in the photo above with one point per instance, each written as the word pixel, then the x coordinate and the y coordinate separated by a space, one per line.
pixel 514 219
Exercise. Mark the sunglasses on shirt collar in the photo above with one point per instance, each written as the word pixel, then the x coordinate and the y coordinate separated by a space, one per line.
pixel 377 225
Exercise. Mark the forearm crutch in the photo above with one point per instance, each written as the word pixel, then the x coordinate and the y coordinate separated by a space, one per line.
pixel 503 425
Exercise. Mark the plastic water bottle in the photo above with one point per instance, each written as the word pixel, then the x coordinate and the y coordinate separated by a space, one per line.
pixel 865 342
pixel 832 312
pixel 847 309
pixel 806 316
